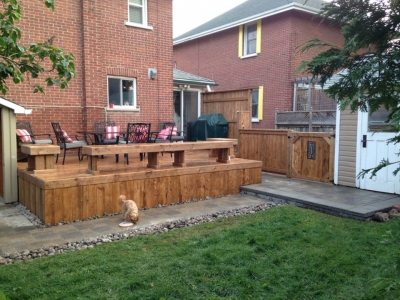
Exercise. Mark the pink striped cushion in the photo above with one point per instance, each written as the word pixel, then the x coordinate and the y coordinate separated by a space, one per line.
pixel 112 132
pixel 24 135
pixel 66 137
pixel 164 133
pixel 175 131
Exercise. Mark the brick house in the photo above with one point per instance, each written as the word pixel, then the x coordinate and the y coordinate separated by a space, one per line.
pixel 123 53
pixel 255 46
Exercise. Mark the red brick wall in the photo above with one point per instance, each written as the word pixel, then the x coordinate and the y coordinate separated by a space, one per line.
pixel 94 31
pixel 216 57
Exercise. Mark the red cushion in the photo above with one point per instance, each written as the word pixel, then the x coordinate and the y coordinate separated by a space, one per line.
pixel 141 135
pixel 66 137
pixel 112 132
pixel 164 133
pixel 24 135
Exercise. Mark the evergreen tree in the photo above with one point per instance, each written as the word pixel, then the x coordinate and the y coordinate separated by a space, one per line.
pixel 368 61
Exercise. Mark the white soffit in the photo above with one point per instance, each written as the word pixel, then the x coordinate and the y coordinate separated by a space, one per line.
pixel 18 109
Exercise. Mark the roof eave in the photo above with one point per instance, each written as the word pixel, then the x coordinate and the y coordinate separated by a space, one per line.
pixel 269 13
pixel 18 109
pixel 205 83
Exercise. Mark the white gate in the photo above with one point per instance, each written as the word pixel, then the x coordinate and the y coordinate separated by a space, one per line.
pixel 372 148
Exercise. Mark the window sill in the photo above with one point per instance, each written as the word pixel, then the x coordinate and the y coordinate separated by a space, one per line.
pixel 127 23
pixel 248 56
pixel 255 120
pixel 123 108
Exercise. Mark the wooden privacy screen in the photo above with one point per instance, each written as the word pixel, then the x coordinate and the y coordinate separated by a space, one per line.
pixel 305 155
pixel 235 106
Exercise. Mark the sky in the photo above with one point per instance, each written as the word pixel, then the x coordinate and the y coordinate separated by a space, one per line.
pixel 188 14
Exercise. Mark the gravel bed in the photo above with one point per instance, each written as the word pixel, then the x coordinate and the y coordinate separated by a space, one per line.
pixel 130 233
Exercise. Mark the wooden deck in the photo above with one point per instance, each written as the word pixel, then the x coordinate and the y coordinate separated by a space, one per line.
pixel 68 192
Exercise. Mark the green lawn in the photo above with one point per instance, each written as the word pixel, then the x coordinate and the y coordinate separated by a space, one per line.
pixel 282 253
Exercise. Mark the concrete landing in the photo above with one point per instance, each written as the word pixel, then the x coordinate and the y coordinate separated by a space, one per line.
pixel 336 200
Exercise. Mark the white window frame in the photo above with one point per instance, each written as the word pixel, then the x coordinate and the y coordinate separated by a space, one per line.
pixel 123 107
pixel 245 40
pixel 255 118
pixel 144 24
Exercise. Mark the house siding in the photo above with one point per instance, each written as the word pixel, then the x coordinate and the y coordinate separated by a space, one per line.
pixel 347 148
pixel 215 56
pixel 95 32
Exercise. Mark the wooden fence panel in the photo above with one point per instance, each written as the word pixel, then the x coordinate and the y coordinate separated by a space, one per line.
pixel 268 146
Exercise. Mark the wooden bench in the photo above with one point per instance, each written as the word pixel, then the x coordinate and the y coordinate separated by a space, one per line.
pixel 40 156
pixel 231 150
pixel 153 151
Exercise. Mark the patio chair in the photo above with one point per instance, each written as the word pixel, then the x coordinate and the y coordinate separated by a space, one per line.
pixel 101 128
pixel 66 143
pixel 167 134
pixel 107 133
pixel 25 135
pixel 136 133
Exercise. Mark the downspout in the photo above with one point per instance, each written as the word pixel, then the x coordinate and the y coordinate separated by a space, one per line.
pixel 83 62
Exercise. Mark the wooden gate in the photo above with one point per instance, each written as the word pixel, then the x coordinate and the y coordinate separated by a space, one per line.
pixel 311 155
pixel 305 155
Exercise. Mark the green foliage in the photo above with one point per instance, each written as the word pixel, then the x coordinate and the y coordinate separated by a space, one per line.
pixel 17 61
pixel 368 62
pixel 282 253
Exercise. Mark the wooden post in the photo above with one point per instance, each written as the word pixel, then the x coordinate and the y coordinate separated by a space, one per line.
pixel 179 159
pixel 244 122
pixel 40 157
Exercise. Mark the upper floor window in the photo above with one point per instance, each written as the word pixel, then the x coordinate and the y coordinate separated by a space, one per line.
pixel 122 92
pixel 250 39
pixel 137 14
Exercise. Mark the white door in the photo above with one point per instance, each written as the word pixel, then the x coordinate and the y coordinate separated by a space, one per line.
pixel 373 148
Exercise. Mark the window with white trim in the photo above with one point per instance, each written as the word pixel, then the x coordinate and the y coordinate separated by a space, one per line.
pixel 250 39
pixel 137 12
pixel 257 96
pixel 122 91
pixel 254 105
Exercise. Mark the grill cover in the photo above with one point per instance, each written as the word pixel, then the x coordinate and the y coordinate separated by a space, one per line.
pixel 209 126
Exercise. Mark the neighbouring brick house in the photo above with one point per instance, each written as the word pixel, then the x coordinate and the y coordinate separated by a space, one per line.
pixel 255 46
pixel 118 46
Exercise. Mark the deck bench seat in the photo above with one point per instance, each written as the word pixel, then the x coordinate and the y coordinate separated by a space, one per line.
pixel 153 150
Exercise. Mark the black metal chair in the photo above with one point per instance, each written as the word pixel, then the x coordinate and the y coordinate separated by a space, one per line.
pixel 107 133
pixel 164 135
pixel 167 134
pixel 66 143
pixel 101 137
pixel 33 138
pixel 136 133
pixel 25 135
